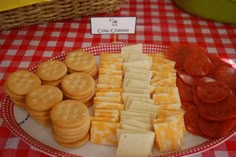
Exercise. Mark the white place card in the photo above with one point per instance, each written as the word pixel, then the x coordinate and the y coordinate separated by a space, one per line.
pixel 113 25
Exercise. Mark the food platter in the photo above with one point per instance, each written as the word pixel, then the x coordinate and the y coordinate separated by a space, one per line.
pixel 34 134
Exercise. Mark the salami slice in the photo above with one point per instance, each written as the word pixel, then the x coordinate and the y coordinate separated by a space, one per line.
pixel 197 64
pixel 214 129
pixel 223 110
pixel 217 62
pixel 186 78
pixel 185 91
pixel 212 92
pixel 177 53
pixel 226 74
pixel 191 120
pixel 186 104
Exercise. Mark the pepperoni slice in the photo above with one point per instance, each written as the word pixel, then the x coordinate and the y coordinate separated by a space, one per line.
pixel 196 100
pixel 185 91
pixel 212 92
pixel 214 129
pixel 226 74
pixel 177 53
pixel 191 120
pixel 223 110
pixel 186 104
pixel 215 59
pixel 197 64
pixel 186 78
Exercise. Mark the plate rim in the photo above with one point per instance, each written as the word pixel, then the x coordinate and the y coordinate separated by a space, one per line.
pixel 7 111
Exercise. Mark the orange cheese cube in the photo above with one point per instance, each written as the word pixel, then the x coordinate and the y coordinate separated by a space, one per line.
pixel 168 136
pixel 104 133
pixel 108 106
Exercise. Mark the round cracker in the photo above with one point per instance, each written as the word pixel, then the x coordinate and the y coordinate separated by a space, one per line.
pixel 22 81
pixel 51 70
pixel 79 60
pixel 44 97
pixel 69 113
pixel 77 84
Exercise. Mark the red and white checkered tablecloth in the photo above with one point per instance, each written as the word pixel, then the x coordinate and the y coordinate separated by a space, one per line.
pixel 158 22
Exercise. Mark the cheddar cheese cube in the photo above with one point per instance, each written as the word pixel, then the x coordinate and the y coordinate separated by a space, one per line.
pixel 104 133
pixel 168 136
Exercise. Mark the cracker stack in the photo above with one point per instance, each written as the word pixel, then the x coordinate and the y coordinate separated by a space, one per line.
pixel 70 123
pixel 51 72
pixel 81 61
pixel 107 100
pixel 79 86
pixel 39 102
pixel 18 84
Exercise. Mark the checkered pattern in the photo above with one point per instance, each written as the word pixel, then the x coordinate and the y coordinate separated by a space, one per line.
pixel 158 22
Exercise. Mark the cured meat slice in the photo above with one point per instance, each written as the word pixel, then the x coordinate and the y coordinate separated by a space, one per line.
pixel 197 64
pixel 216 61
pixel 186 104
pixel 191 117
pixel 223 110
pixel 185 91
pixel 214 129
pixel 186 78
pixel 226 74
pixel 177 53
pixel 212 92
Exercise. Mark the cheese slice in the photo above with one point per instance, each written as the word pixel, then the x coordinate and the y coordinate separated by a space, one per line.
pixel 162 75
pixel 108 86
pixel 178 118
pixel 138 90
pixel 103 71
pixel 169 106
pixel 104 133
pixel 167 98
pixel 140 119
pixel 110 76
pixel 103 119
pixel 167 82
pixel 132 49
pixel 108 89
pixel 110 81
pixel 161 60
pixel 164 89
pixel 156 55
pixel 126 95
pixel 121 131
pixel 136 57
pixel 168 136
pixel 135 145
pixel 136 83
pixel 166 113
pixel 114 66
pixel 135 104
pixel 138 76
pixel 159 67
pixel 110 60
pixel 136 123
pixel 106 111
pixel 131 98
pixel 108 106
pixel 107 115
pixel 110 55
pixel 134 114
pixel 100 99
pixel 138 70
pixel 138 64
pixel 108 94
